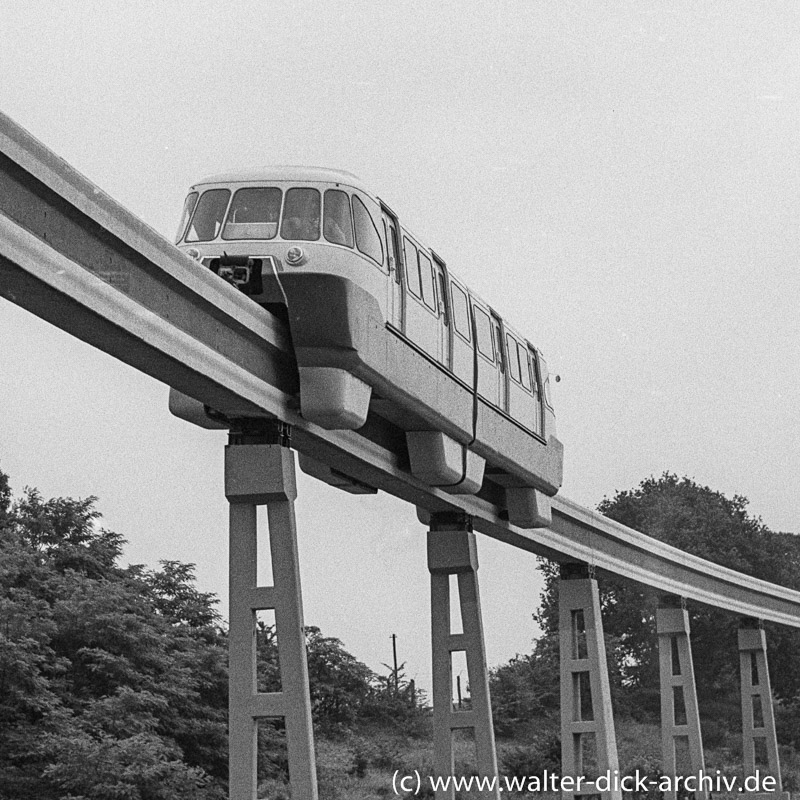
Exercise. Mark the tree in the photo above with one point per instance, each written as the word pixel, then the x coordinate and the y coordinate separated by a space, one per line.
pixel 112 680
pixel 343 689
pixel 525 691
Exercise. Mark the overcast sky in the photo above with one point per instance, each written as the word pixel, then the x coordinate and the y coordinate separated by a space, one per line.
pixel 619 179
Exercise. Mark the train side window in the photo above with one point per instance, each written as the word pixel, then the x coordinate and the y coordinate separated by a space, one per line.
pixel 337 225
pixel 412 268
pixel 498 338
pixel 368 240
pixel 253 213
pixel 524 366
pixel 513 358
pixel 445 308
pixel 460 311
pixel 535 375
pixel 301 212
pixel 208 215
pixel 188 207
pixel 391 240
pixel 483 330
pixel 426 280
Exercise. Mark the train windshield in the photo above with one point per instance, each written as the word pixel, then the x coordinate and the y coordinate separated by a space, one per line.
pixel 301 215
pixel 268 212
pixel 208 215
pixel 253 214
pixel 338 224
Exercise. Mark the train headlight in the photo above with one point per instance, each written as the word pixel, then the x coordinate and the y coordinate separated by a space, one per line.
pixel 194 253
pixel 296 256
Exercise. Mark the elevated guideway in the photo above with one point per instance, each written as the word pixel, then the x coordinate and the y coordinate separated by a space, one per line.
pixel 74 257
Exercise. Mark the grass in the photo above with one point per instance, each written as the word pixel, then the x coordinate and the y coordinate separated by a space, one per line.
pixel 361 766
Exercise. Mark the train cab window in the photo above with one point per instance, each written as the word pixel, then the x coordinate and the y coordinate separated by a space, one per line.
pixel 188 207
pixel 301 213
pixel 368 240
pixel 208 215
pixel 338 223
pixel 254 214
pixel 412 268
pixel 426 281
pixel 460 311
pixel 483 331
pixel 524 366
pixel 513 358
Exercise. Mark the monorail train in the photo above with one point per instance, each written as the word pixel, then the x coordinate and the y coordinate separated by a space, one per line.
pixel 380 325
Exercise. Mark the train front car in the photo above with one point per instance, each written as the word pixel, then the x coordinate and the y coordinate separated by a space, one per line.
pixel 303 242
pixel 380 326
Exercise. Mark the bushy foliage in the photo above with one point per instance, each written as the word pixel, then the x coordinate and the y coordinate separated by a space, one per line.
pixel 112 681
pixel 525 691
pixel 341 686
pixel 542 754
pixel 344 691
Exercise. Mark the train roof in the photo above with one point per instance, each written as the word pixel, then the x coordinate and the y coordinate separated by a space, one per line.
pixel 287 172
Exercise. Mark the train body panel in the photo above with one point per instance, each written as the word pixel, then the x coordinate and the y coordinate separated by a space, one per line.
pixel 350 334
pixel 381 326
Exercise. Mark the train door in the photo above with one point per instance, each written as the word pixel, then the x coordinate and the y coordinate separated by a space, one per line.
pixel 502 371
pixel 537 376
pixel 421 315
pixel 445 326
pixel 395 306
pixel 521 405
pixel 487 364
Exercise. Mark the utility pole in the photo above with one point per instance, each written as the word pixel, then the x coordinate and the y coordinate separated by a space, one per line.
pixel 394 654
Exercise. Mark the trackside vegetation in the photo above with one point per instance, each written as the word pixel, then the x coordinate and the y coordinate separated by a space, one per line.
pixel 113 680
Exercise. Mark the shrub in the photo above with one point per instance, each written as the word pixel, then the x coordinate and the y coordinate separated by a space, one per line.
pixel 543 753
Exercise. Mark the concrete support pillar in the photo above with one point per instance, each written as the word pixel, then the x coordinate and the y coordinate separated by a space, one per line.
pixel 680 718
pixel 588 740
pixel 259 473
pixel 452 551
pixel 758 719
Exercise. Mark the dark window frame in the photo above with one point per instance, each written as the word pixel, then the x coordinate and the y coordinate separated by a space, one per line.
pixel 477 311
pixel 231 208
pixel 371 257
pixel 283 214
pixel 513 344
pixel 392 246
pixel 468 335
pixel 218 189
pixel 524 357
pixel 423 257
pixel 351 245
pixel 186 215
pixel 441 284
pixel 409 282
pixel 499 349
